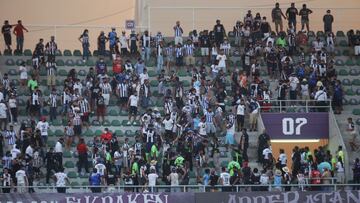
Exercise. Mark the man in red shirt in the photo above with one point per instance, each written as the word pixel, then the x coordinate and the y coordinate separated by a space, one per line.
pixel 19 32
pixel 106 136
pixel 82 152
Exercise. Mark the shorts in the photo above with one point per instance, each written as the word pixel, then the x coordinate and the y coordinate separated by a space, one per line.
pixel 101 110
pixel 77 129
pixel 304 22
pixel 178 40
pixel 51 80
pixel 189 60
pixel 85 117
pixel 169 58
pixel 123 100
pixel 179 61
pixel 106 99
pixel 229 139
pixel 34 108
pixel 210 128
pixel 253 118
pixel 204 51
pixel 133 110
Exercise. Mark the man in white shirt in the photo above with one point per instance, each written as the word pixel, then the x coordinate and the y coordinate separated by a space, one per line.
pixel 3 115
pixel 29 151
pixel 174 180
pixel 61 179
pixel 168 125
pixel 58 150
pixel 225 180
pixel 240 114
pixel 152 177
pixel 133 103
pixel 43 126
pixel 282 158
pixel 143 76
pixel 123 43
pixel 15 151
pixel 100 167
pixel 221 57
pixel 294 84
pixel 22 180
pixel 178 31
pixel 321 97
pixel 267 155
pixel 202 127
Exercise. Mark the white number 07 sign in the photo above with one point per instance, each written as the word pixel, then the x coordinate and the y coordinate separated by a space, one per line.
pixel 291 126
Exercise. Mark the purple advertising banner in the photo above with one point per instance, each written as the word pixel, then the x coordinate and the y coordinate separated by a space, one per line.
pixel 98 198
pixel 296 125
pixel 280 197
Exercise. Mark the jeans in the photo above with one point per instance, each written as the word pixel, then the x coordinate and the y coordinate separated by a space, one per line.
pixel 85 51
pixel 145 54
pixel 19 43
pixel 83 162
pixel 53 113
pixel 101 50
pixel 160 64
pixel 14 115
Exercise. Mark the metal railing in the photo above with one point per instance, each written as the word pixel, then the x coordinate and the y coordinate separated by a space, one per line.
pixel 304 106
pixel 191 188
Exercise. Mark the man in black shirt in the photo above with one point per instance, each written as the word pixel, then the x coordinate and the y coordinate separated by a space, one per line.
pixel 219 31
pixel 6 31
pixel 304 13
pixel 265 28
pixel 263 140
pixel 291 14
pixel 328 19
pixel 50 163
pixel 205 45
pixel 277 16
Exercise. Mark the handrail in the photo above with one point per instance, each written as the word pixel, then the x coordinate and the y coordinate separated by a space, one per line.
pixel 200 188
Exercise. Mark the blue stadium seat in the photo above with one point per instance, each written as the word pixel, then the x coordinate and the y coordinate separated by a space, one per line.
pixel 67 52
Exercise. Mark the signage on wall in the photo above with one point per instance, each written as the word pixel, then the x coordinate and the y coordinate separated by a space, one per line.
pixel 296 125
pixel 130 24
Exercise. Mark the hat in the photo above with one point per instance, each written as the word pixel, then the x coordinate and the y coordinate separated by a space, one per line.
pixel 156 109
pixel 304 80
pixel 286 169
pixel 278 172
pixel 153 162
pixel 131 149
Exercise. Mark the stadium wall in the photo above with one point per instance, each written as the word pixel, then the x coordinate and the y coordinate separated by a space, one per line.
pixel 160 15
pixel 240 197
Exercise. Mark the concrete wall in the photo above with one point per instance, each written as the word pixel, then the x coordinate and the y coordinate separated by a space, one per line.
pixel 80 14
pixel 207 11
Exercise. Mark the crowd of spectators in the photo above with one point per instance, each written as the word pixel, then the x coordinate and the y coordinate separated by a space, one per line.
pixel 184 139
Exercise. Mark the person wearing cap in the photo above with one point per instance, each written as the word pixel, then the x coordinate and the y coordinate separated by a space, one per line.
pixel 321 97
pixel 220 32
pixel 328 20
pixel 178 31
pixel 277 16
